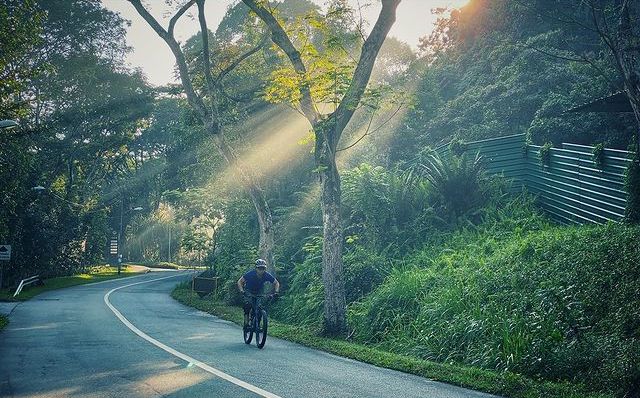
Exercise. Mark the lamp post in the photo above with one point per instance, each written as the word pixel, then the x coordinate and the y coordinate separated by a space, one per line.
pixel 120 245
pixel 8 124
pixel 5 125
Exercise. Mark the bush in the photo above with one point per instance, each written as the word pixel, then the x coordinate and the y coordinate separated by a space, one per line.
pixel 303 301
pixel 164 265
pixel 632 185
pixel 459 183
pixel 363 272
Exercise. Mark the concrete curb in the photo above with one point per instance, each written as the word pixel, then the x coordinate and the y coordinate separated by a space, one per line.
pixel 7 307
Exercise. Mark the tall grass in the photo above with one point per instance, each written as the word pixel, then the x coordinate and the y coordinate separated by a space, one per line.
pixel 560 303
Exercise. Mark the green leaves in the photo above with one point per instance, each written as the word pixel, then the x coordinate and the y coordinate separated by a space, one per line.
pixel 459 181
pixel 545 154
pixel 284 87
pixel 531 302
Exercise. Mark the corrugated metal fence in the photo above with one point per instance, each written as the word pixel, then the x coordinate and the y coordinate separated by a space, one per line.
pixel 570 187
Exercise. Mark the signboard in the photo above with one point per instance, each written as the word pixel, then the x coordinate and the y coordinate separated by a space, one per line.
pixel 113 247
pixel 5 252
pixel 204 286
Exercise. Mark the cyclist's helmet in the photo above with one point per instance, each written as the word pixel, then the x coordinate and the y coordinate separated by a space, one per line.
pixel 260 263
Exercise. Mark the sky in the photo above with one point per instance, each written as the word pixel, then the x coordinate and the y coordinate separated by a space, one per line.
pixel 151 54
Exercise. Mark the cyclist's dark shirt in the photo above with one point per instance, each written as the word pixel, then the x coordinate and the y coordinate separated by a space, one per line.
pixel 254 284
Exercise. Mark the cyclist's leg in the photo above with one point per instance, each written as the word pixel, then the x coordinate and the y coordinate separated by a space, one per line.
pixel 246 306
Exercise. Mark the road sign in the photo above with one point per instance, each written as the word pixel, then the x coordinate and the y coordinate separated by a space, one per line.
pixel 5 252
pixel 113 248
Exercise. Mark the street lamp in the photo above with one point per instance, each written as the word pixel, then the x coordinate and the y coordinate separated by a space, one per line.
pixel 120 245
pixel 8 124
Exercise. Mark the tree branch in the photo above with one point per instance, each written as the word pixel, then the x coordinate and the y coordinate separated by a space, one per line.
pixel 362 73
pixel 206 56
pixel 192 97
pixel 238 61
pixel 581 59
pixel 378 127
pixel 281 39
pixel 181 11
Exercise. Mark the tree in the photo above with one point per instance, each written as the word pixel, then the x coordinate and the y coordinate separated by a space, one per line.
pixel 78 109
pixel 616 24
pixel 327 130
pixel 20 35
pixel 205 104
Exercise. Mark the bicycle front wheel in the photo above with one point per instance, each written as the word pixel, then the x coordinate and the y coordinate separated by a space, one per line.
pixel 261 328
pixel 247 332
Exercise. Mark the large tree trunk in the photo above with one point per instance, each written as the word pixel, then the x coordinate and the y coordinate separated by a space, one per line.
pixel 334 298
pixel 266 243
pixel 332 276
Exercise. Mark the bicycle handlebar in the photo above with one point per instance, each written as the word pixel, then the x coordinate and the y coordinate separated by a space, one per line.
pixel 259 295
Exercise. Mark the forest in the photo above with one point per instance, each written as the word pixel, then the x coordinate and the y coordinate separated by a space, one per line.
pixel 303 140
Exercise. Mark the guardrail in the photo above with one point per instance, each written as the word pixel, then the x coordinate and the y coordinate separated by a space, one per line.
pixel 25 282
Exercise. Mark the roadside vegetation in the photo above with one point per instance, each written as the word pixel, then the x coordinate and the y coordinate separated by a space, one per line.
pixel 95 274
pixel 502 383
pixel 513 294
pixel 448 272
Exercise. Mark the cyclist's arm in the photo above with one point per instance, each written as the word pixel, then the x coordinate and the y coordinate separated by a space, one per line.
pixel 276 286
pixel 241 283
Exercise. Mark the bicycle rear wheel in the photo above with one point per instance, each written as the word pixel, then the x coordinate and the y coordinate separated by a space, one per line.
pixel 261 328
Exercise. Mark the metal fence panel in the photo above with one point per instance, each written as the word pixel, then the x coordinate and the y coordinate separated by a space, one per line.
pixel 571 188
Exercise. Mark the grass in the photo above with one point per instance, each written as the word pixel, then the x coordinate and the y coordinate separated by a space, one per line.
pixel 168 265
pixel 4 321
pixel 503 383
pixel 100 274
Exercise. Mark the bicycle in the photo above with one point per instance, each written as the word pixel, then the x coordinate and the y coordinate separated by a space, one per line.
pixel 258 321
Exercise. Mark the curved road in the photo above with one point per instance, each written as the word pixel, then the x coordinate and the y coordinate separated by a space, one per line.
pixel 129 338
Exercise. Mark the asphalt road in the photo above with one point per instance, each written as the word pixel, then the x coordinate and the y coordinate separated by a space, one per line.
pixel 115 339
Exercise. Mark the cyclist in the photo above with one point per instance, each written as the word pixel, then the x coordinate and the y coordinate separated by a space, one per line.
pixel 253 282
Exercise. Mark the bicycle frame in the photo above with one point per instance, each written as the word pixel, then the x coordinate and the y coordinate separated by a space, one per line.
pixel 257 323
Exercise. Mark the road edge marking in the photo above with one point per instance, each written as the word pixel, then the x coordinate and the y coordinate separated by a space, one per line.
pixel 176 353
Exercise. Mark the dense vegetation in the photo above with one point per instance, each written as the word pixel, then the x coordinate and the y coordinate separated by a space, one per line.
pixel 440 263
pixel 78 108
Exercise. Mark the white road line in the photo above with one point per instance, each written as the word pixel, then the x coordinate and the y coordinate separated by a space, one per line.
pixel 113 280
pixel 178 354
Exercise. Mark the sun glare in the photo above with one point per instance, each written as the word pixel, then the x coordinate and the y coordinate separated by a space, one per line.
pixel 458 3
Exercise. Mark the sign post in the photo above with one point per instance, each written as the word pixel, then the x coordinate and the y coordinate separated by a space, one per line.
pixel 113 247
pixel 113 251
pixel 5 255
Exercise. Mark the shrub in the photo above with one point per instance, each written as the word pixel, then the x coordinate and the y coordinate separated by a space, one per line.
pixel 459 182
pixel 632 185
pixel 303 301
pixel 598 155
pixel 387 211
pixel 545 154
pixel 457 147
pixel 363 271
pixel 559 303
